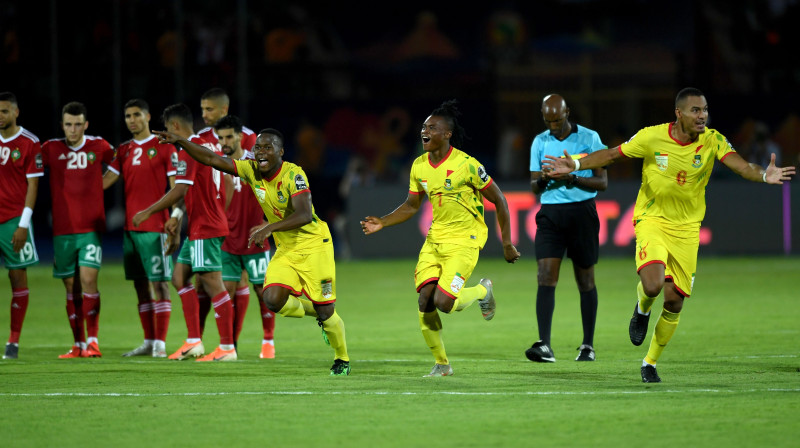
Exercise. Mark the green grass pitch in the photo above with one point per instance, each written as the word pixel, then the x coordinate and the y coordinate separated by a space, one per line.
pixel 731 373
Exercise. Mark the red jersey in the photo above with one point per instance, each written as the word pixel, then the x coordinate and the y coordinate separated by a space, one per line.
pixel 205 199
pixel 145 166
pixel 76 184
pixel 248 137
pixel 244 212
pixel 20 158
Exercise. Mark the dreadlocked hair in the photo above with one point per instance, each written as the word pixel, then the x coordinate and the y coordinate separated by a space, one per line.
pixel 449 111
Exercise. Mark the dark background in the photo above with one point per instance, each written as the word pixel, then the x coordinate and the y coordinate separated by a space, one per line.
pixel 349 83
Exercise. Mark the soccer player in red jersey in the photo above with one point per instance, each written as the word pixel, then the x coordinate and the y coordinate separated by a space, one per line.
pixel 203 190
pixel 20 170
pixel 244 215
pixel 214 105
pixel 148 168
pixel 76 163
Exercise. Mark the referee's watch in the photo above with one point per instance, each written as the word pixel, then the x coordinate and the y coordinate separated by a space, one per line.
pixel 573 180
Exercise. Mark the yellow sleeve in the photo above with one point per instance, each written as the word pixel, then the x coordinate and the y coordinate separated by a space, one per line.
pixel 414 185
pixel 724 147
pixel 480 178
pixel 244 170
pixel 635 147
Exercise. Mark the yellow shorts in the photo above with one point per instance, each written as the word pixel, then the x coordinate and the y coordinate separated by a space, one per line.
pixel 309 273
pixel 450 265
pixel 675 248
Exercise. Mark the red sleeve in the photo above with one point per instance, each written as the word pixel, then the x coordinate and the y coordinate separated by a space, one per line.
pixel 35 159
pixel 248 141
pixel 109 153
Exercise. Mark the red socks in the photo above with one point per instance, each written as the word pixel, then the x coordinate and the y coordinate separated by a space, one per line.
pixel 223 312
pixel 191 306
pixel 162 310
pixel 19 305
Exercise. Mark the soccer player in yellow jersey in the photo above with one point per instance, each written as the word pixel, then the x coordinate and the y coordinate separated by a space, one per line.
pixel 677 161
pixel 456 185
pixel 303 262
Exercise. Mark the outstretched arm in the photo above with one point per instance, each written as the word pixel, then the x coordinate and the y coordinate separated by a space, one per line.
pixel 197 152
pixel 403 213
pixel 597 182
pixel 752 172
pixel 564 165
pixel 495 196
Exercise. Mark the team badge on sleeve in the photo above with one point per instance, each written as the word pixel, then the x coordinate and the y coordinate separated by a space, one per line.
pixel 483 174
pixel 300 182
pixel 180 167
pixel 174 159
pixel 39 162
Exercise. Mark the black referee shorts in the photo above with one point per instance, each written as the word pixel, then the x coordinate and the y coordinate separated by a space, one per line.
pixel 572 227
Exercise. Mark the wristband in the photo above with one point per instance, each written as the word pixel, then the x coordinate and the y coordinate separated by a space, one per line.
pixel 764 176
pixel 25 219
pixel 177 214
pixel 577 165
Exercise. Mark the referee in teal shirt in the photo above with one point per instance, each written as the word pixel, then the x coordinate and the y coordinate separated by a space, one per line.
pixel 567 222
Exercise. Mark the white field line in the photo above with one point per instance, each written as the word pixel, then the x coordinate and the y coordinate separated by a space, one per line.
pixel 385 393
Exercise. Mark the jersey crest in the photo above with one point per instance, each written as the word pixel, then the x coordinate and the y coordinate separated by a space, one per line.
pixel 662 161
pixel 261 193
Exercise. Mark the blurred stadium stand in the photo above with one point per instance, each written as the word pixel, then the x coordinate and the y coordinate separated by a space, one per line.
pixel 350 86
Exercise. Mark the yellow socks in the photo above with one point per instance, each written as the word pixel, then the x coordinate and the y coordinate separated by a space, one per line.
pixel 645 303
pixel 431 326
pixel 665 328
pixel 468 296
pixel 293 308
pixel 308 307
pixel 334 328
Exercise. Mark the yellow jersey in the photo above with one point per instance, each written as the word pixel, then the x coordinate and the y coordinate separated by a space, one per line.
pixel 674 174
pixel 274 195
pixel 454 189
